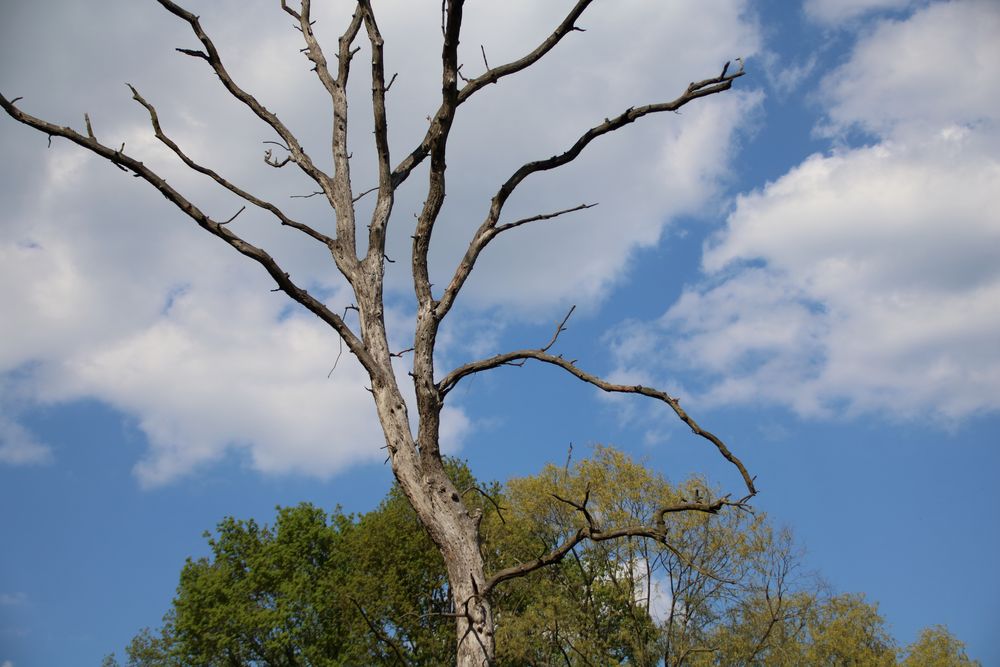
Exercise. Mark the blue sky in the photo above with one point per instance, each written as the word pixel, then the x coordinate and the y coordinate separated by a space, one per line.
pixel 811 261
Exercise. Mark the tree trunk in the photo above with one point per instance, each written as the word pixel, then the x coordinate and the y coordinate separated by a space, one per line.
pixel 439 506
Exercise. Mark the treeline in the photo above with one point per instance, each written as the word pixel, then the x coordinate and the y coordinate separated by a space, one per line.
pixel 318 589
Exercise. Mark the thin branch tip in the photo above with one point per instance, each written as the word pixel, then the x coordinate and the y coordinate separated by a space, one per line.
pixel 242 208
pixel 194 53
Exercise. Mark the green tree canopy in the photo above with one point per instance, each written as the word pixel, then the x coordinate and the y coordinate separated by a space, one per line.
pixel 318 589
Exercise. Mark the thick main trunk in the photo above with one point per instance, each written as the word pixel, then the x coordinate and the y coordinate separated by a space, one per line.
pixel 453 529
pixel 474 625
pixel 421 475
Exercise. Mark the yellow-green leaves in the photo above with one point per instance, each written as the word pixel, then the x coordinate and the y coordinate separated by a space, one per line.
pixel 936 647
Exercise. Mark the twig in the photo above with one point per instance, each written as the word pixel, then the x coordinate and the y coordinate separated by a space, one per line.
pixel 194 53
pixel 368 191
pixel 340 342
pixel 582 508
pixel 201 169
pixel 340 351
pixel 488 497
pixel 276 163
pixel 378 633
pixel 559 329
pixel 543 216
pixel 226 222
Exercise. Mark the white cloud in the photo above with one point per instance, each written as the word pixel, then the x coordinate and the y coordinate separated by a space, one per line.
pixel 224 369
pixel 785 76
pixel 19 447
pixel 840 11
pixel 933 69
pixel 125 301
pixel 865 280
pixel 650 588
pixel 7 663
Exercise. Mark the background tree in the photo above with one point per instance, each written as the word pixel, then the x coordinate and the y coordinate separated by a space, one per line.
pixel 936 647
pixel 414 452
pixel 732 593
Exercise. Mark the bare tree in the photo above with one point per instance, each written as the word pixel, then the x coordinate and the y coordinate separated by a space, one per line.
pixel 415 456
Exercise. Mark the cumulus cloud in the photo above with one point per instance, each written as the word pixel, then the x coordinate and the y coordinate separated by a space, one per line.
pixel 933 69
pixel 122 300
pixel 865 279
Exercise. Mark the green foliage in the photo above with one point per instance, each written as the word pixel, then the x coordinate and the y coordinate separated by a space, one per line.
pixel 324 590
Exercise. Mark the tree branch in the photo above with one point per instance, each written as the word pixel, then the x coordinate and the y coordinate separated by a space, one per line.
pixel 438 142
pixel 243 194
pixel 542 216
pixel 381 636
pixel 428 400
pixel 550 558
pixel 555 337
pixel 694 91
pixel 403 170
pixel 486 233
pixel 127 163
pixel 592 533
pixel 567 26
pixel 451 379
pixel 488 497
pixel 490 227
pixel 386 189
pixel 340 192
pixel 595 533
pixel 211 55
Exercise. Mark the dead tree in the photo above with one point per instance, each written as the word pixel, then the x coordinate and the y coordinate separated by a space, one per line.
pixel 415 457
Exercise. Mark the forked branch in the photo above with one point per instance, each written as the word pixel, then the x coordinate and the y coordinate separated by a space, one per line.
pixel 126 162
pixel 406 167
pixel 239 192
pixel 592 531
pixel 211 55
pixel 491 227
